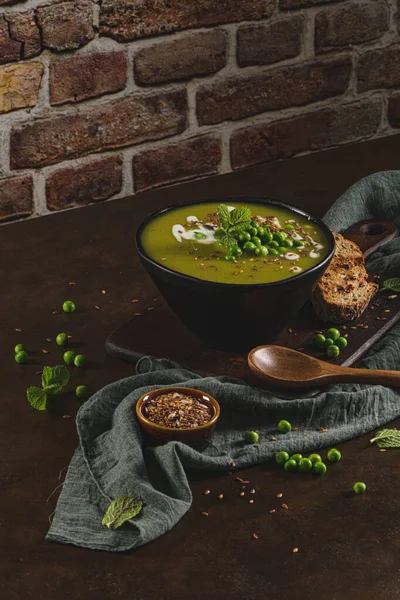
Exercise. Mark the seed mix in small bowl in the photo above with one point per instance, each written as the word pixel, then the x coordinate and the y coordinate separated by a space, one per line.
pixel 177 411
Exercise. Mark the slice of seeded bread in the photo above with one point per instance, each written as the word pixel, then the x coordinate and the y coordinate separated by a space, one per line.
pixel 343 292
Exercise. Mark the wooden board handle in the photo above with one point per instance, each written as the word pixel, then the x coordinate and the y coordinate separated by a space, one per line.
pixel 370 234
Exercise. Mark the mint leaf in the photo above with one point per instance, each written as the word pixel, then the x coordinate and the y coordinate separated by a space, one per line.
pixel 54 378
pixel 37 397
pixel 239 218
pixel 227 239
pixel 387 438
pixel 224 216
pixel 392 284
pixel 122 509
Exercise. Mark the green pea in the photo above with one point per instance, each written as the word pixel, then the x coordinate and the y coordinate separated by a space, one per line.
pixel 284 426
pixel 267 237
pixel 288 243
pixel 62 339
pixel 333 333
pixel 244 236
pixel 21 357
pixel 328 342
pixel 333 351
pixel 251 437
pixel 279 236
pixel 319 340
pixel 235 251
pixel 81 391
pixel 320 468
pixel 229 257
pixel 333 455
pixel 257 251
pixel 281 457
pixel 254 224
pixel 299 243
pixel 253 231
pixel 341 342
pixel 282 250
pixel 19 348
pixel 263 251
pixel 68 306
pixel 273 252
pixel 199 236
pixel 359 487
pixel 256 240
pixel 290 465
pixel 296 457
pixel 289 227
pixel 315 458
pixel 274 244
pixel 305 465
pixel 79 360
pixel 69 357
pixel 249 246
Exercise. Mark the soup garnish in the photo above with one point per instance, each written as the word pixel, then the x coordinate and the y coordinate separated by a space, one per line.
pixel 257 243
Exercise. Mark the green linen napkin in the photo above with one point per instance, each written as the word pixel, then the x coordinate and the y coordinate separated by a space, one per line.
pixel 111 459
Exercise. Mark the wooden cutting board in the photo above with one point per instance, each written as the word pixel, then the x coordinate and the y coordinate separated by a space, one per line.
pixel 151 332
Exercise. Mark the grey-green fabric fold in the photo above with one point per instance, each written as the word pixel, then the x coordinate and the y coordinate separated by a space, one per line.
pixel 112 460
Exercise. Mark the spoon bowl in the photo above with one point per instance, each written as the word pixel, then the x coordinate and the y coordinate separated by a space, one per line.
pixel 289 368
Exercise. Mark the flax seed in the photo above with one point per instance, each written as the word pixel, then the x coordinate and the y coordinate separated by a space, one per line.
pixel 134 301
pixel 48 339
pixel 240 480
pixel 233 464
pixel 285 506
pixel 67 417
pixel 382 450
pixel 220 496
pixel 97 307
pixel 72 283
pixel 205 514
pixel 255 536
pixel 295 550
pixel 272 511
pixel 103 292
pixel 18 329
pixel 253 491
pixel 45 351
pixel 279 495
pixel 138 314
pixel 387 311
pixel 55 312
pixel 206 492
pixel 241 494
pixel 393 297
pixel 251 501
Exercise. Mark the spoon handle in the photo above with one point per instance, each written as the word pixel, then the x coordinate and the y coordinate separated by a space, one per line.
pixel 374 376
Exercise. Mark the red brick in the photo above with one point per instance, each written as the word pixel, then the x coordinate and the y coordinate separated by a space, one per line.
pixel 86 76
pixel 116 124
pixel 77 186
pixel 292 4
pixel 67 25
pixel 24 29
pixel 190 56
pixel 379 69
pixel 10 50
pixel 184 160
pixel 127 20
pixel 313 131
pixel 394 111
pixel 288 86
pixel 352 23
pixel 265 44
pixel 16 198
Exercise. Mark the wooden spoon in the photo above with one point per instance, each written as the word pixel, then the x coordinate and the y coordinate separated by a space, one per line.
pixel 289 368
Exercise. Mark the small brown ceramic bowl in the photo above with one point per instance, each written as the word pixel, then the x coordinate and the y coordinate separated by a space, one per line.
pixel 192 436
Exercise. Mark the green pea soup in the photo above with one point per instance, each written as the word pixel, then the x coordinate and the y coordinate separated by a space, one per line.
pixel 183 240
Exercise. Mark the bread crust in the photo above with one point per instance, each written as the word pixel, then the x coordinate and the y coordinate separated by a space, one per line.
pixel 343 292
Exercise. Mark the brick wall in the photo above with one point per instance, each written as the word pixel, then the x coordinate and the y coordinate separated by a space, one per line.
pixel 103 98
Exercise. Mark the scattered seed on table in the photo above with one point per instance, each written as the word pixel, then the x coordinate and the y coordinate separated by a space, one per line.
pixel 233 464
pixel 251 501
pixel 206 492
pixel 279 495
pixel 273 439
pixel 220 496
pixel 387 310
pixel 241 494
pixel 45 351
pixel 382 450
pixel 295 550
pixel 295 428
pixel 72 283
pixel 135 300
pixel 138 314
pixel 253 491
pixel 97 307
pixel 48 339
pixel 55 312
pixel 272 511
pixel 393 297
pixel 18 329
pixel 353 327
pixel 67 417
pixel 205 514
pixel 344 326
pixel 255 536
pixel 290 330
pixel 285 506
pixel 150 308
pixel 103 292
pixel 38 372
pixel 240 480
pixel 69 337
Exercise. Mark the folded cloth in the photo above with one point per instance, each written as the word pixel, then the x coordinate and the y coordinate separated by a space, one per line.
pixel 112 460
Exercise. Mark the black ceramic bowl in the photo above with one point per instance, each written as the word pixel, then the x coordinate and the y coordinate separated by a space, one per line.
pixel 235 317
